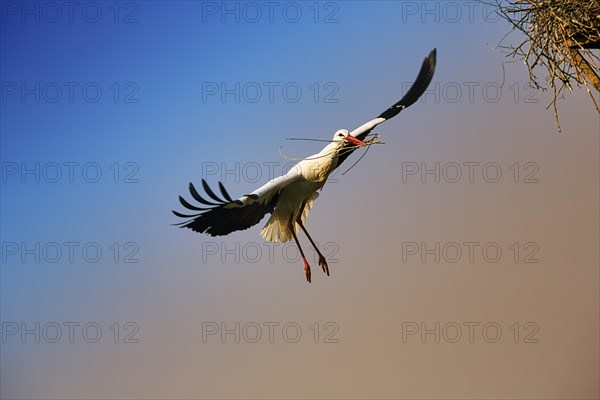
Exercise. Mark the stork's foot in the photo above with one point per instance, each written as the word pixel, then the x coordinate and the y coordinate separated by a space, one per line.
pixel 306 270
pixel 323 264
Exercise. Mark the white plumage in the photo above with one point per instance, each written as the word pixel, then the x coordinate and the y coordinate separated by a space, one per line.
pixel 290 197
pixel 298 190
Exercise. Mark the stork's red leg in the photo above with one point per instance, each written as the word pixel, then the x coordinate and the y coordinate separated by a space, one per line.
pixel 306 266
pixel 322 260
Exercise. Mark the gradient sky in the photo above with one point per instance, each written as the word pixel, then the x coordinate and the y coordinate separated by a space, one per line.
pixel 114 107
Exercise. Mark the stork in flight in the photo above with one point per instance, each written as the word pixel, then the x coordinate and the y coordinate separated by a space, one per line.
pixel 289 198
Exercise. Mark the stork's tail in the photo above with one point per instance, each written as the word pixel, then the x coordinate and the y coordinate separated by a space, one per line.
pixel 276 228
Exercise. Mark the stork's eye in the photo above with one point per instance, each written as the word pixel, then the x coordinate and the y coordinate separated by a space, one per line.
pixel 340 134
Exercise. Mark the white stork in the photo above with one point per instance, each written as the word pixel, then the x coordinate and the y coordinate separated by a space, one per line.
pixel 289 198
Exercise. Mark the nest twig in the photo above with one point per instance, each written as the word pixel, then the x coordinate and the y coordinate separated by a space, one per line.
pixel 560 37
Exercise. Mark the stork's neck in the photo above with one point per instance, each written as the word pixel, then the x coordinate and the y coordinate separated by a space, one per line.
pixel 317 168
pixel 331 150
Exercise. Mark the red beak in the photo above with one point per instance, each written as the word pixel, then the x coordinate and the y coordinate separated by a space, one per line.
pixel 354 140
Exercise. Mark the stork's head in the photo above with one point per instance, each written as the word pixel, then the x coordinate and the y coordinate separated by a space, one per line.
pixel 344 137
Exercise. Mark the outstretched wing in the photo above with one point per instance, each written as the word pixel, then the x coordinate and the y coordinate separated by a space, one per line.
pixel 416 90
pixel 220 216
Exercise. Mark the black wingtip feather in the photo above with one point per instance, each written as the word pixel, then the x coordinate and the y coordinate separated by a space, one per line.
pixel 224 193
pixel 416 90
pixel 189 206
pixel 221 220
pixel 183 215
pixel 418 87
pixel 199 198
pixel 210 193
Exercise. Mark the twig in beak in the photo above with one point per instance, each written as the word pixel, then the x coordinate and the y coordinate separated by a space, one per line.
pixel 368 143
